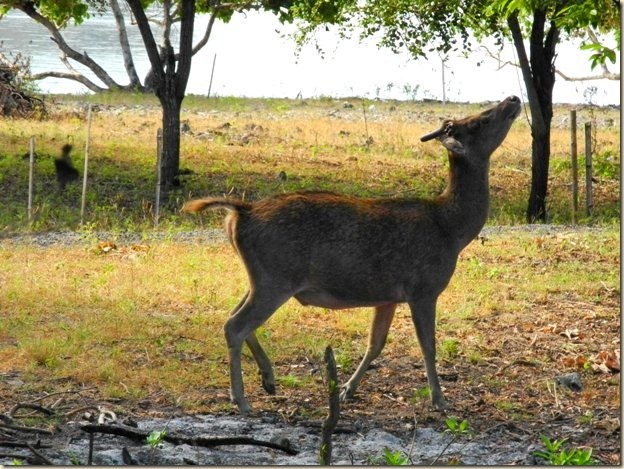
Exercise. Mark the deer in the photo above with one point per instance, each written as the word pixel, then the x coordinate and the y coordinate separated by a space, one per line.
pixel 339 252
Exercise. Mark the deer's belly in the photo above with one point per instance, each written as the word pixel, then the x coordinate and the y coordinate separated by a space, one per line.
pixel 325 299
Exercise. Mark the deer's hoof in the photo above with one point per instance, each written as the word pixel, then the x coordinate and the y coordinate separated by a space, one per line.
pixel 269 387
pixel 244 408
pixel 441 404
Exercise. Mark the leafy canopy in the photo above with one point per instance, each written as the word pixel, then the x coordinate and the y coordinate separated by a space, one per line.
pixel 424 26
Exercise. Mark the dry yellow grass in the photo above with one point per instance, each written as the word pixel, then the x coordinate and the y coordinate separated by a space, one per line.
pixel 240 147
pixel 147 320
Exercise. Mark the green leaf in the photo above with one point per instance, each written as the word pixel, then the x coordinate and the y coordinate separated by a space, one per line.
pixel 156 437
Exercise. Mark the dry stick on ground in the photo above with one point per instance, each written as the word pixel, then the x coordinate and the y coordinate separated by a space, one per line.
pixel 18 456
pixel 18 444
pixel 183 440
pixel 40 457
pixel 25 429
pixel 331 421
pixel 26 405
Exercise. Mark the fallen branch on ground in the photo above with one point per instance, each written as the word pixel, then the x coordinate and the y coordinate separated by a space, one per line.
pixel 25 429
pixel 19 444
pixel 139 435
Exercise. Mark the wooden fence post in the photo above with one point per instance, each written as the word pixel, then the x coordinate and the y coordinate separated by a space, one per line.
pixel 214 61
pixel 574 154
pixel 86 167
pixel 159 149
pixel 31 171
pixel 588 169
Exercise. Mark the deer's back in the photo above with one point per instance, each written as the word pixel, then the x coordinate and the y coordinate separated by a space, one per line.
pixel 339 243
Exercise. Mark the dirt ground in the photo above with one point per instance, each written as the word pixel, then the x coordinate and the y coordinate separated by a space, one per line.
pixel 509 395
pixel 534 404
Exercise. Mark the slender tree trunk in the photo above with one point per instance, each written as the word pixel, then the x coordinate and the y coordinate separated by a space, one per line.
pixel 539 78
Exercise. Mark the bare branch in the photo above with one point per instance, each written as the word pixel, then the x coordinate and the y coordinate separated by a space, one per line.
pixel 207 442
pixel 83 58
pixel 186 46
pixel 69 76
pixel 207 33
pixel 125 44
pixel 501 64
pixel 148 40
pixel 606 75
pixel 518 40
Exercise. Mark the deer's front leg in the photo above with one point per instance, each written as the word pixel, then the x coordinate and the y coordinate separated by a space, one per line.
pixel 382 318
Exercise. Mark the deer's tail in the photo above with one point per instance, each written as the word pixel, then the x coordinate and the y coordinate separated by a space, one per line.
pixel 198 205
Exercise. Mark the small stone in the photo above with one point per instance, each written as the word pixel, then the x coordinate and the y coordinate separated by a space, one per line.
pixel 571 381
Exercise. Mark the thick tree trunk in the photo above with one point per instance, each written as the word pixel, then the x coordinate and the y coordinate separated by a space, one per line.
pixel 540 160
pixel 170 163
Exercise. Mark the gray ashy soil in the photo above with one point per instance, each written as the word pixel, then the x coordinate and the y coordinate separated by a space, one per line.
pixel 424 445
pixel 217 235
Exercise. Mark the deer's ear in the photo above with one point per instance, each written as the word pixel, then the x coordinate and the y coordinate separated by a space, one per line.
pixel 453 145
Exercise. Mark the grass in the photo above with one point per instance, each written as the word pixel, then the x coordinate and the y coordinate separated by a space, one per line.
pixel 147 323
pixel 319 144
pixel 144 324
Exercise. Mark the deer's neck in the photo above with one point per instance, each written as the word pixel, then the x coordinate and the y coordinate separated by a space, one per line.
pixel 464 205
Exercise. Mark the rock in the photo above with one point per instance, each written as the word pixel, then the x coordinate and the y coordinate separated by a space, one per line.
pixel 571 381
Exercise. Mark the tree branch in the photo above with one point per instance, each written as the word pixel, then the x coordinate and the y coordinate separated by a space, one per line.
pixel 135 82
pixel 186 46
pixel 84 59
pixel 516 33
pixel 606 75
pixel 69 76
pixel 204 40
pixel 148 40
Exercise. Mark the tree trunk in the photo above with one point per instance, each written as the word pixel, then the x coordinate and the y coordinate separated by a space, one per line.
pixel 170 163
pixel 540 160
pixel 539 78
pixel 169 82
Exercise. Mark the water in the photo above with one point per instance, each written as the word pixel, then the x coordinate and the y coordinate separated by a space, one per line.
pixel 256 58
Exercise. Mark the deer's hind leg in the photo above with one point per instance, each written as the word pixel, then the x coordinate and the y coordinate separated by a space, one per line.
pixel 255 308
pixel 260 356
